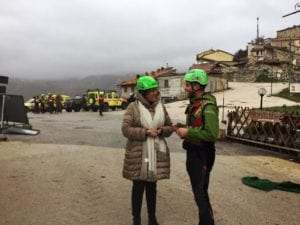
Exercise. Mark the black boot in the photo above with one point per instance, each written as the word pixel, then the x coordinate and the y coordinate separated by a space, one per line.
pixel 153 221
pixel 136 220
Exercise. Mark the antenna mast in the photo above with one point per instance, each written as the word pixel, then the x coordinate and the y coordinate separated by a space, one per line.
pixel 257 30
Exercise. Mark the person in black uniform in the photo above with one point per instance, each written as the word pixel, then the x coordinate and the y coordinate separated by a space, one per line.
pixel 199 135
pixel 101 105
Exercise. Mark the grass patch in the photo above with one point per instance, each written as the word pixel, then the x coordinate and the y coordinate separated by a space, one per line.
pixel 286 94
pixel 290 109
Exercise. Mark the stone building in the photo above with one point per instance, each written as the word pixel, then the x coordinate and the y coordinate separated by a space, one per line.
pixel 127 87
pixel 281 54
pixel 288 38
pixel 213 56
pixel 216 81
pixel 171 82
pixel 284 48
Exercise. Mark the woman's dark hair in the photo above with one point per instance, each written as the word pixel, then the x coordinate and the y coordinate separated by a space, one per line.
pixel 144 92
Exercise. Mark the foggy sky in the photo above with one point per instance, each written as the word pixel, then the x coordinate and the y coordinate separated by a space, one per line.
pixel 50 39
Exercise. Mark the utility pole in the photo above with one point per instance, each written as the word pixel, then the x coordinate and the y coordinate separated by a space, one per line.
pixel 290 64
pixel 272 51
pixel 223 103
pixel 257 30
pixel 3 80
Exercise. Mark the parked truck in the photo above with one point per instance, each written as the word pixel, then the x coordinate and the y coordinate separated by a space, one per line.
pixel 76 104
pixel 111 100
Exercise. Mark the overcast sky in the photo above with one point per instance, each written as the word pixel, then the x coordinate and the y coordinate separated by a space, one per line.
pixel 50 39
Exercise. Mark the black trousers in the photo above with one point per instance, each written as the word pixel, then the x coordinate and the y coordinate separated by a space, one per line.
pixel 138 188
pixel 101 109
pixel 199 163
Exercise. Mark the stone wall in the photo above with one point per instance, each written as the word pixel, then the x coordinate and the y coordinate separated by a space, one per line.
pixel 241 74
pixel 250 74
pixel 290 32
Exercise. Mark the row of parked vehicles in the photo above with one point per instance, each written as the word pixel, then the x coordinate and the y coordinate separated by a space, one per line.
pixel 88 101
pixel 46 103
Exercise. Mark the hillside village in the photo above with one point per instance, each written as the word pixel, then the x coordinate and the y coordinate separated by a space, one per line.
pixel 276 59
pixel 263 59
pixel 66 142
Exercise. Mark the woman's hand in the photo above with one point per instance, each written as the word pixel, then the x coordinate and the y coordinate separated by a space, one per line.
pixel 159 131
pixel 152 133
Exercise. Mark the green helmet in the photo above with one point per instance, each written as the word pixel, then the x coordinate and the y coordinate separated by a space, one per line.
pixel 196 75
pixel 145 83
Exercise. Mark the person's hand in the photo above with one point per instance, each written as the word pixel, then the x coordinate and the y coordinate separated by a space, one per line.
pixel 174 127
pixel 177 126
pixel 182 132
pixel 159 131
pixel 152 133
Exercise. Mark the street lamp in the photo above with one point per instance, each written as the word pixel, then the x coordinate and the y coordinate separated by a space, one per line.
pixel 261 92
pixel 272 71
pixel 297 8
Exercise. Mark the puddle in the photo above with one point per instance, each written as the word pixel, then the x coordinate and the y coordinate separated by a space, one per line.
pixel 85 127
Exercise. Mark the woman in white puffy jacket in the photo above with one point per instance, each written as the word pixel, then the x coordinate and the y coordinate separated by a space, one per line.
pixel 147 157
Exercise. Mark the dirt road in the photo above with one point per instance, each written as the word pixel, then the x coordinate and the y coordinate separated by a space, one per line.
pixel 71 174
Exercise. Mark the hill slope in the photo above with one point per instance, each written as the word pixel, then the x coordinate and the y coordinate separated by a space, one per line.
pixel 73 86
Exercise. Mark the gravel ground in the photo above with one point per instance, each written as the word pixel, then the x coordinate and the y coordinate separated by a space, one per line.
pixel 71 174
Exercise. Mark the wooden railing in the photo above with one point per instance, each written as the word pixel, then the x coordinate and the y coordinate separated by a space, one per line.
pixel 279 130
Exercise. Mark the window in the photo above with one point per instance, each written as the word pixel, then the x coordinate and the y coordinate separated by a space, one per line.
pixel 125 89
pixel 166 84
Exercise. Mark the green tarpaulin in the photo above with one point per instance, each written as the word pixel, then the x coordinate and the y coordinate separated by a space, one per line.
pixel 268 185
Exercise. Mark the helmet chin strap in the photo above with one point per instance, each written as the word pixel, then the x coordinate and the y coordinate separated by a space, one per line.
pixel 193 93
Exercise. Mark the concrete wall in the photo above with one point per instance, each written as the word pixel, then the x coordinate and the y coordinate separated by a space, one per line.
pixel 125 93
pixel 176 91
pixel 175 88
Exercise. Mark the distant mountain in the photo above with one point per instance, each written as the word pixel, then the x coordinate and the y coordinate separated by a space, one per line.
pixel 72 86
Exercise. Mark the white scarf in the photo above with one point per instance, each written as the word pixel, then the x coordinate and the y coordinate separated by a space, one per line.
pixel 152 144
